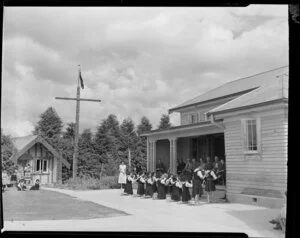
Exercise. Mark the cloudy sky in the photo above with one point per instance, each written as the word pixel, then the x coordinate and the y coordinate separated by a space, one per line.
pixel 138 61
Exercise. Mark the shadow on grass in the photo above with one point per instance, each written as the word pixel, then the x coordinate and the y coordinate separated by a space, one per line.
pixel 50 205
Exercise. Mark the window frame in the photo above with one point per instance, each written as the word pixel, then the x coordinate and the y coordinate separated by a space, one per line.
pixel 41 166
pixel 196 117
pixel 245 142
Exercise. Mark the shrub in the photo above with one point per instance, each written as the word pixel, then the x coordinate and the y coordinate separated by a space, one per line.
pixel 109 182
pixel 87 183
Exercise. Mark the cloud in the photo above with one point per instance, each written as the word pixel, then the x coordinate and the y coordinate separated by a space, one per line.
pixel 138 61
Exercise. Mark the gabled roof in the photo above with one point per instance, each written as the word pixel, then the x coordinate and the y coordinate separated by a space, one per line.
pixel 273 91
pixel 23 144
pixel 243 85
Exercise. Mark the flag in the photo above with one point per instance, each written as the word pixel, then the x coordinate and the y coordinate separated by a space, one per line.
pixel 81 80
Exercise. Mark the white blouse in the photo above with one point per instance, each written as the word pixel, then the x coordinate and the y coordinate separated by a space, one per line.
pixel 178 184
pixel 189 185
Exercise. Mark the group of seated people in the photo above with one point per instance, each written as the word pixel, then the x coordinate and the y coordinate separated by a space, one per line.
pixel 22 187
pixel 186 187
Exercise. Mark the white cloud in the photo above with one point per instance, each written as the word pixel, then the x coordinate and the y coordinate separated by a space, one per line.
pixel 138 61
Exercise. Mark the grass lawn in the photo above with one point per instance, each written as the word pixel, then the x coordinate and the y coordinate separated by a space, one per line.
pixel 49 205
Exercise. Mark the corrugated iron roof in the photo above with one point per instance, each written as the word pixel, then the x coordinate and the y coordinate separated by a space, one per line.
pixel 273 90
pixel 236 86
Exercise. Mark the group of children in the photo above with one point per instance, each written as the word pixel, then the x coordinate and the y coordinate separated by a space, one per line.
pixel 158 185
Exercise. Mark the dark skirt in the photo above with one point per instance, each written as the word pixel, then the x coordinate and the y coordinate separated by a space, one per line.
pixel 186 196
pixel 128 188
pixel 141 188
pixel 150 190
pixel 154 188
pixel 161 190
pixel 147 189
pixel 197 188
pixel 175 195
pixel 210 185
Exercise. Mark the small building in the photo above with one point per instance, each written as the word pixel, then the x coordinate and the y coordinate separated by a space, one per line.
pixel 37 159
pixel 244 122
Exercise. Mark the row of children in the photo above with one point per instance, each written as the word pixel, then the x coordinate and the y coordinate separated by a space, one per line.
pixel 158 185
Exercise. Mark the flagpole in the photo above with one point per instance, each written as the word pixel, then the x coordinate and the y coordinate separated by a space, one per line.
pixel 75 155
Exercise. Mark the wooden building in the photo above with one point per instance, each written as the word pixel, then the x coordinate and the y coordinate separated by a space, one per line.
pixel 244 122
pixel 37 159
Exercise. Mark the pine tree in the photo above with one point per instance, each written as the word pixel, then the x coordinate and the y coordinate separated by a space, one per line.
pixel 50 124
pixel 164 122
pixel 144 126
pixel 107 141
pixel 141 146
pixel 89 162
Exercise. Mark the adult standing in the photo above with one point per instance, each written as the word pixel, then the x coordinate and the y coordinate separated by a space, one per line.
pixel 122 174
pixel 160 167
pixel 181 166
pixel 188 170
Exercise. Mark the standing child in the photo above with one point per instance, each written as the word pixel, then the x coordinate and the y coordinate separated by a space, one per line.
pixel 175 189
pixel 128 187
pixel 141 184
pixel 210 187
pixel 146 177
pixel 161 187
pixel 198 177
pixel 186 196
pixel 156 177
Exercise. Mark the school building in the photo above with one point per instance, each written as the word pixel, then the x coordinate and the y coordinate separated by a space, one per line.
pixel 37 159
pixel 244 122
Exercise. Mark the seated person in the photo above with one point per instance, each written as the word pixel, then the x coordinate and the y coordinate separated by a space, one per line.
pixel 36 186
pixel 21 186
pixel 280 220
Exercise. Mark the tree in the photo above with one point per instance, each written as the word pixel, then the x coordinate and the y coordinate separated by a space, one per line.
pixel 107 142
pixel 141 146
pixel 7 149
pixel 70 131
pixel 144 126
pixel 89 162
pixel 50 125
pixel 164 122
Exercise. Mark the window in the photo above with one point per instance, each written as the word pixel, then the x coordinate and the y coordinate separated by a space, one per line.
pixel 251 135
pixel 194 118
pixel 41 165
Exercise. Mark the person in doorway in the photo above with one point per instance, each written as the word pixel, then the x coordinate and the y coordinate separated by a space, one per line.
pixel 36 186
pixel 181 166
pixel 160 167
pixel 194 164
pixel 188 170
pixel 122 174
pixel 216 169
pixel 201 161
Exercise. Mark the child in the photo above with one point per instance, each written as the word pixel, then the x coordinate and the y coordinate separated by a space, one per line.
pixel 156 179
pixel 210 187
pixel 128 186
pixel 198 176
pixel 146 177
pixel 36 186
pixel 152 185
pixel 21 186
pixel 141 184
pixel 186 196
pixel 175 188
pixel 161 187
